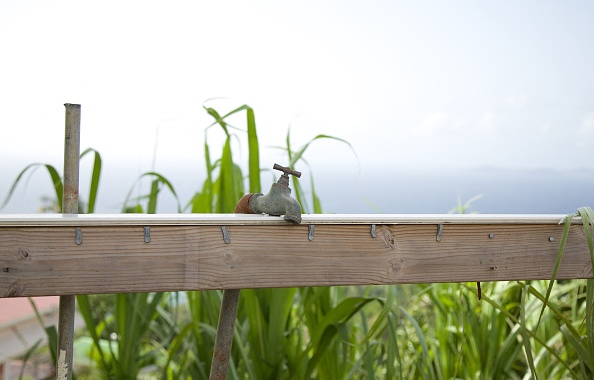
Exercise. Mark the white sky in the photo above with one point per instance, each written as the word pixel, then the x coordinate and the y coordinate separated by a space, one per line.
pixel 449 84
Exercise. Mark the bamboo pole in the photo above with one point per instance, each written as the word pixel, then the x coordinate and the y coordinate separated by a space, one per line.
pixel 69 206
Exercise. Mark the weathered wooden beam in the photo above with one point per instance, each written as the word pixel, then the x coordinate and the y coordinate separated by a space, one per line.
pixel 39 255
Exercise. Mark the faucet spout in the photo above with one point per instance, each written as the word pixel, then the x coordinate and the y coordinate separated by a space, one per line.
pixel 277 202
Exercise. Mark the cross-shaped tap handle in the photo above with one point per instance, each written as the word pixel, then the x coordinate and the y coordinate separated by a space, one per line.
pixel 287 170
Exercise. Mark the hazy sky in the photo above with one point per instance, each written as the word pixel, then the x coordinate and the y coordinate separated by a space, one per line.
pixel 446 84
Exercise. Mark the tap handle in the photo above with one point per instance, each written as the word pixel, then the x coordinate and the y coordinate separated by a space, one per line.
pixel 287 170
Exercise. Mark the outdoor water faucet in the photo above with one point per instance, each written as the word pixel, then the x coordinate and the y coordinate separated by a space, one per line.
pixel 277 202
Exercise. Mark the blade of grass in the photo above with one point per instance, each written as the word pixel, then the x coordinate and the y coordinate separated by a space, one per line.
pixel 50 331
pixel 85 310
pixel 155 190
pixel 425 365
pixel 55 177
pixel 298 155
pixel 225 184
pixel 525 333
pixel 254 153
pixel 151 208
pixel 26 357
pixel 582 351
pixel 590 319
pixel 369 362
pixel 562 243
pixel 587 216
pixel 95 176
pixel 323 343
pixel 515 320
pixel 279 312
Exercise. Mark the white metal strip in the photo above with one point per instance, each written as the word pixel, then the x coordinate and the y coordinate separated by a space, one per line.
pixel 28 220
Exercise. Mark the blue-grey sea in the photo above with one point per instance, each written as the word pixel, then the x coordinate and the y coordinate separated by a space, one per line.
pixel 496 191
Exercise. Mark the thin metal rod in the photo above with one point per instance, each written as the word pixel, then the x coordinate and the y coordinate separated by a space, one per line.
pixel 224 339
pixel 69 206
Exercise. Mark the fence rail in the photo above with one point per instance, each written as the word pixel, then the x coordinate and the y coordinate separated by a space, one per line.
pixel 87 254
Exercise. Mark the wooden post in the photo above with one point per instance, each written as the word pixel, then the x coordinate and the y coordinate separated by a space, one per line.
pixel 69 206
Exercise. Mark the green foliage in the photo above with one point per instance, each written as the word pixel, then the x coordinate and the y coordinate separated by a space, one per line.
pixel 437 331
pixel 58 183
pixel 295 157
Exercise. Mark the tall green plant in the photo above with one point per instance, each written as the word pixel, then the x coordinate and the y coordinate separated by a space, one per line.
pixel 295 157
pixel 58 185
pixel 433 331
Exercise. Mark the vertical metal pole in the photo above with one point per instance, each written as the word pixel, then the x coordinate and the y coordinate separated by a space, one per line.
pixel 224 339
pixel 69 206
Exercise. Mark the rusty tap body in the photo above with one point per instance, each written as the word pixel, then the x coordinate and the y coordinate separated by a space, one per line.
pixel 277 202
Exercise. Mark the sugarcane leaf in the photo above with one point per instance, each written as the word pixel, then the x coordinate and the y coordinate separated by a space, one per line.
pixel 254 153
pixel 55 177
pixel 582 351
pixel 560 251
pixel 525 333
pixel 95 176
pixel 298 155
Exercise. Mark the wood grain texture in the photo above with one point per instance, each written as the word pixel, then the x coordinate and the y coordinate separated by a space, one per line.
pixel 37 261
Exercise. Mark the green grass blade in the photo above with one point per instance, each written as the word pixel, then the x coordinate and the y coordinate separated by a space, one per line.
pixel 393 349
pixel 151 208
pixel 590 318
pixel 322 346
pixel 525 334
pixel 201 202
pixel 177 344
pixel 369 362
pixel 582 351
pixel 254 153
pixel 208 187
pixel 226 198
pixel 57 182
pixel 258 328
pixel 562 243
pixel 85 310
pixel 515 320
pixel 158 180
pixel 55 177
pixel 26 357
pixel 298 193
pixel 561 315
pixel 227 191
pixel 219 120
pixel 340 314
pixel 50 332
pixel 382 318
pixel 281 301
pixel 95 175
pixel 425 365
pixel 298 155
pixel 168 184
pixel 587 216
